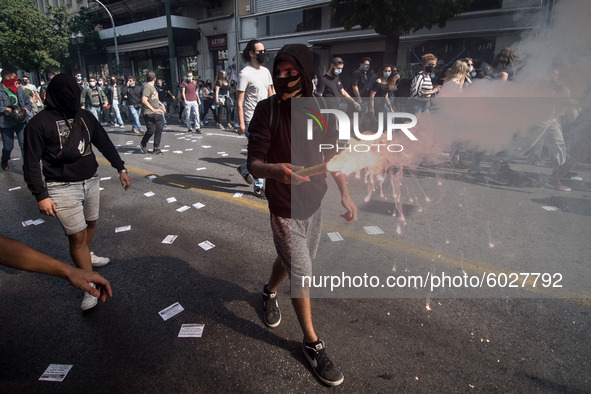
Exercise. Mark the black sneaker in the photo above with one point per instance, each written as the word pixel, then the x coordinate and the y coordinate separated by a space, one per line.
pixel 271 308
pixel 259 192
pixel 157 152
pixel 324 369
pixel 198 131
pixel 247 177
pixel 143 149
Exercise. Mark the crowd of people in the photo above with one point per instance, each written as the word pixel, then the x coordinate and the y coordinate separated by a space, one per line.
pixel 66 185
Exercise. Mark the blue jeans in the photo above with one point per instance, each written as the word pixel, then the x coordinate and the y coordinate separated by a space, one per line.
pixel 96 111
pixel 192 107
pixel 77 203
pixel 135 118
pixel 165 103
pixel 116 116
pixel 8 139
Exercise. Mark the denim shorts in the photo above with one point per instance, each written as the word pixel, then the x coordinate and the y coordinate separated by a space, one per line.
pixel 77 203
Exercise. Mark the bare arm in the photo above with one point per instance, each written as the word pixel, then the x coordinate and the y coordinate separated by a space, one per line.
pixel 239 106
pixel 346 200
pixel 17 255
pixel 281 172
pixel 155 110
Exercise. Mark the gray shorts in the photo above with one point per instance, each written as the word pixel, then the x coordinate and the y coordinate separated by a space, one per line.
pixel 77 203
pixel 296 242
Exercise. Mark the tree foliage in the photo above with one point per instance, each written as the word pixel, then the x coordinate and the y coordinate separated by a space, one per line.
pixel 395 18
pixel 84 22
pixel 29 39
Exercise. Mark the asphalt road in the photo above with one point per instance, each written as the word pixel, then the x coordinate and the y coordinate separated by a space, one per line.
pixel 527 339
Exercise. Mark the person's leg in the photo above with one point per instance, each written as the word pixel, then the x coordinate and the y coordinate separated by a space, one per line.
pixel 20 137
pixel 556 139
pixel 117 113
pixel 132 118
pixel 188 109
pixel 165 103
pixel 135 113
pixel 150 129
pixel 7 143
pixel 278 275
pixel 73 203
pixel 197 117
pixel 228 113
pixel 95 111
pixel 79 250
pixel 158 127
pixel 303 310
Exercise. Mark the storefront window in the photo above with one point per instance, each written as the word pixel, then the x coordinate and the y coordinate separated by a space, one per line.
pixel 282 23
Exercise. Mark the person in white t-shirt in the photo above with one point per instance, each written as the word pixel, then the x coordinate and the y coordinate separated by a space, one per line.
pixel 254 84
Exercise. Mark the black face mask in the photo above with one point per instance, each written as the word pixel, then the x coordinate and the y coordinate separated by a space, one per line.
pixel 429 69
pixel 260 58
pixel 289 87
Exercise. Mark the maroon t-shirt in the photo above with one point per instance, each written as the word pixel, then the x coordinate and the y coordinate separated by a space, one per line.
pixel 190 90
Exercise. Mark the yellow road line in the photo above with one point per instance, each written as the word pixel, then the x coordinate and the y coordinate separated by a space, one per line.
pixel 397 246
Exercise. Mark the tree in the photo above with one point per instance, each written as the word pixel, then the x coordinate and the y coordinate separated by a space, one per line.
pixel 395 18
pixel 30 40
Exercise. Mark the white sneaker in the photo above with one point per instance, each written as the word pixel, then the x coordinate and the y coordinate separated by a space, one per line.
pixel 98 261
pixel 89 301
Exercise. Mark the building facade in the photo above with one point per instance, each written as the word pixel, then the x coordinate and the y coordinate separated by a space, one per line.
pixel 480 32
pixel 204 36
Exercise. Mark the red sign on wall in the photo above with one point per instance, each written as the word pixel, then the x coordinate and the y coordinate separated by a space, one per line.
pixel 218 42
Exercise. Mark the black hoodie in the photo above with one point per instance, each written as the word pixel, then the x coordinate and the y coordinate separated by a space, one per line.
pixel 47 133
pixel 283 146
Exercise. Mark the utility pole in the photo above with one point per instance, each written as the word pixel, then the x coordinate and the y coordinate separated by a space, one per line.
pixel 171 49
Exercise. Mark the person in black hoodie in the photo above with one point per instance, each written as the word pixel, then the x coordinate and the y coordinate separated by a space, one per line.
pixel 61 137
pixel 274 153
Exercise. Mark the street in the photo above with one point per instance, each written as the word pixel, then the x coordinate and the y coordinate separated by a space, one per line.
pixel 407 338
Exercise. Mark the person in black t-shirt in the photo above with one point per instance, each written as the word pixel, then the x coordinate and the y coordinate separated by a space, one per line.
pixel 360 79
pixel 330 83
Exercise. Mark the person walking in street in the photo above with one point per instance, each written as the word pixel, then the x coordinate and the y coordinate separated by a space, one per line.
pixel 330 84
pixel 15 107
pixel 421 87
pixel 222 98
pixel 67 184
pixel 152 110
pixel 36 102
pixel 294 200
pixel 192 101
pixel 254 84
pixel 133 95
pixel 207 93
pixel 164 95
pixel 114 95
pixel 93 98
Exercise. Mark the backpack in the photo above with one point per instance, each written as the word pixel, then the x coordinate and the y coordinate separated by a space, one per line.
pixel 75 141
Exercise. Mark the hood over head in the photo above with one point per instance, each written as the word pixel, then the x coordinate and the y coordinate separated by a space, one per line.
pixel 63 95
pixel 301 57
